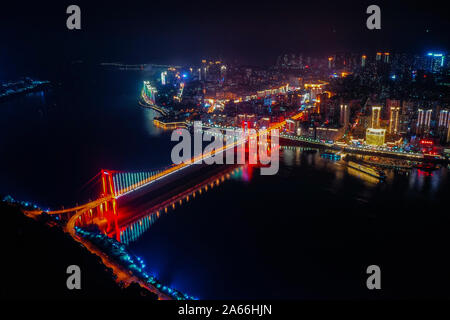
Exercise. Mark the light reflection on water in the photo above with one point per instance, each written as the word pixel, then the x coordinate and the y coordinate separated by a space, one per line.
pixel 133 231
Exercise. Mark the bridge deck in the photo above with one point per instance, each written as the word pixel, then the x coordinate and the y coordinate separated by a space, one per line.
pixel 161 193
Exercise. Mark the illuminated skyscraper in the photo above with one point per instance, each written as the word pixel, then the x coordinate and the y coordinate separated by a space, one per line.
pixel 394 120
pixel 420 118
pixel 149 93
pixel 443 118
pixel 383 56
pixel 344 115
pixel 423 121
pixel 223 71
pixel 444 125
pixel 205 73
pixel 434 62
pixel 163 77
pixel 363 61
pixel 376 112
pixel 428 119
pixel 204 69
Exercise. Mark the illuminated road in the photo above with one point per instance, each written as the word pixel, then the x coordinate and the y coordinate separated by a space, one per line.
pixel 360 150
pixel 123 275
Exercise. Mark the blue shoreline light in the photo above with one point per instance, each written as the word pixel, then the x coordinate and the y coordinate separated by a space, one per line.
pixel 134 263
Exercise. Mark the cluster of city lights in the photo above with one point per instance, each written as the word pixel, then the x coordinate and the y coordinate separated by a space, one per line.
pixel 352 147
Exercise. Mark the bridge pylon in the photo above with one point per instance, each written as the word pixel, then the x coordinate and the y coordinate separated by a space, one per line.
pixel 109 207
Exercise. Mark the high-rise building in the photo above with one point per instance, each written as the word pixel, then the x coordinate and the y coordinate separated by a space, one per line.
pixel 149 92
pixel 394 120
pixel 363 61
pixel 204 70
pixel 223 71
pixel 443 118
pixel 428 115
pixel 434 62
pixel 383 56
pixel 423 121
pixel 393 107
pixel 444 125
pixel 330 62
pixel 163 77
pixel 376 113
pixel 420 117
pixel 344 115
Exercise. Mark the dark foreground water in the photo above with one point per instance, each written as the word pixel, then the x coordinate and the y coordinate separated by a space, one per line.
pixel 308 232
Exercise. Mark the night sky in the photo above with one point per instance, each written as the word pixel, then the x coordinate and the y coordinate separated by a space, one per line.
pixel 34 35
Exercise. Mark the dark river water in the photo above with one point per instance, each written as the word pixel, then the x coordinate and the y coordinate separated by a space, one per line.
pixel 308 232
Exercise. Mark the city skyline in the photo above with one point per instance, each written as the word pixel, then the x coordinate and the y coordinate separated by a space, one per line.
pixel 254 33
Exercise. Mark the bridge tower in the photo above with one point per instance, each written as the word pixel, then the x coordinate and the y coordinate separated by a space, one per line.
pixel 109 207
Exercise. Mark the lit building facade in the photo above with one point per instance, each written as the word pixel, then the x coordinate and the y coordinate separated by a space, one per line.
pixel 363 61
pixel 394 120
pixel 150 93
pixel 423 121
pixel 444 125
pixel 434 62
pixel 376 113
pixel 344 115
pixel 375 137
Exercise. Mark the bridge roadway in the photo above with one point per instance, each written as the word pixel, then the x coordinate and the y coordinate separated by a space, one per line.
pixel 164 193
pixel 173 171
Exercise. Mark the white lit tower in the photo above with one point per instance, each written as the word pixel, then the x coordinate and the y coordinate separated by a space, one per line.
pixel 344 115
pixel 394 120
pixel 444 125
pixel 423 121
pixel 149 93
pixel 363 61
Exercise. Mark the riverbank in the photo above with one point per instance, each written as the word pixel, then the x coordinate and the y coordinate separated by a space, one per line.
pixel 35 86
pixel 154 107
pixel 126 266
pixel 38 253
